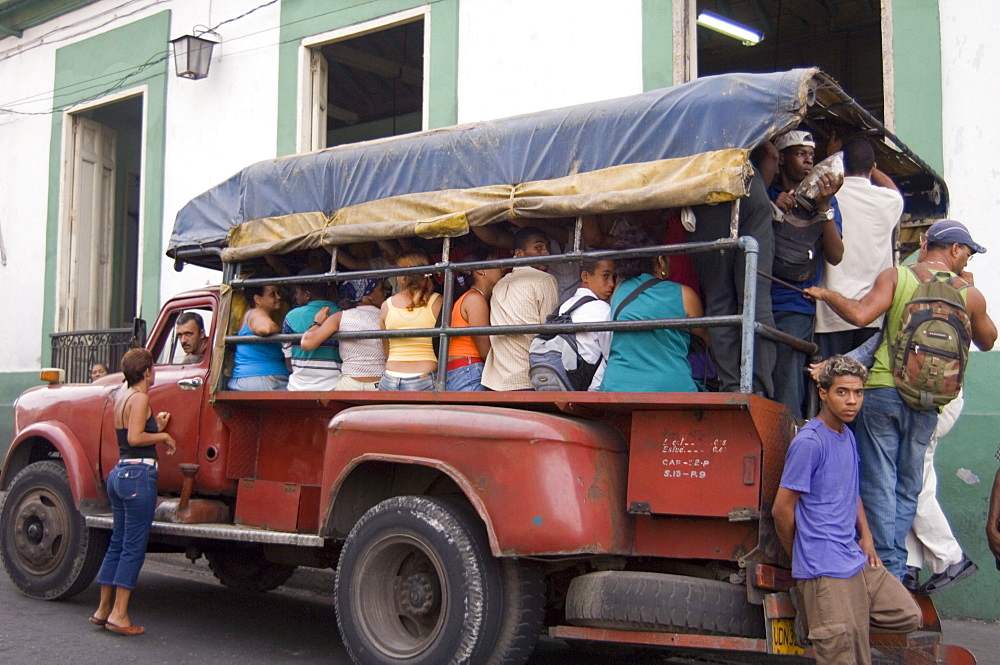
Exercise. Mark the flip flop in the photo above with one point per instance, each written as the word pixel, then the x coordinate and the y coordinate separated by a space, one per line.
pixel 124 630
pixel 97 622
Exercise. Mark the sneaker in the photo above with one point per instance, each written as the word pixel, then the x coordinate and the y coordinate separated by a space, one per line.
pixel 956 572
pixel 911 579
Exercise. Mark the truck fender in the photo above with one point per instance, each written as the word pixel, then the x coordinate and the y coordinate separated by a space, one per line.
pixel 84 474
pixel 463 483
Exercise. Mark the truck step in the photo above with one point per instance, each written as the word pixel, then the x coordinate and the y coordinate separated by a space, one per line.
pixel 233 532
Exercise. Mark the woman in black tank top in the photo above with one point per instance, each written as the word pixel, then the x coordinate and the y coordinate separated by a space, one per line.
pixel 131 488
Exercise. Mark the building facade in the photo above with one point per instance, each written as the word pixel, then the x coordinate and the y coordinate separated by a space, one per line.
pixel 102 143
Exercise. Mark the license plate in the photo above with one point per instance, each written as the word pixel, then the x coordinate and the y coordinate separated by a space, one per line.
pixel 783 637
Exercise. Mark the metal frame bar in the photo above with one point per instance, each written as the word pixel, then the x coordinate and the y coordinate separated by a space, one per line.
pixel 444 331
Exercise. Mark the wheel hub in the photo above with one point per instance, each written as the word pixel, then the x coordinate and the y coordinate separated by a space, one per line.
pixel 40 531
pixel 417 595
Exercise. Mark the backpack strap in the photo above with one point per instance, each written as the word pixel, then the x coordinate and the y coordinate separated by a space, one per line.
pixel 635 294
pixel 578 304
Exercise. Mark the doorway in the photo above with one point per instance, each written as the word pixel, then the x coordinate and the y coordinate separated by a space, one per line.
pixel 100 228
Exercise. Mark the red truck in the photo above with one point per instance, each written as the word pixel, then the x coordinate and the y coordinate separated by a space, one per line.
pixel 463 525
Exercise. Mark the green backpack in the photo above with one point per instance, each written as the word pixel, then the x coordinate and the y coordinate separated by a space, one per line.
pixel 930 351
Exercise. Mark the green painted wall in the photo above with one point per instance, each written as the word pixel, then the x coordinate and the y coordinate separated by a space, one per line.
pixel 305 18
pixel 972 444
pixel 88 68
pixel 916 45
pixel 657 44
pixel 12 384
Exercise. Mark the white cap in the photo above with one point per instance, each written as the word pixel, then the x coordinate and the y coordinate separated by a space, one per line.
pixel 794 138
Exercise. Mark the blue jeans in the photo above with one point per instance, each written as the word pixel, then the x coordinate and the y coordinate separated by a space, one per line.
pixel 892 439
pixel 267 382
pixel 132 490
pixel 789 369
pixel 422 382
pixel 466 378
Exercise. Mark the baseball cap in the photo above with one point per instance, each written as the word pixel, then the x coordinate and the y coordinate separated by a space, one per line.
pixel 949 231
pixel 793 138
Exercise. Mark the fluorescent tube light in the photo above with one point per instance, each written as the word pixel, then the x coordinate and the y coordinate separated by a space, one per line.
pixel 729 28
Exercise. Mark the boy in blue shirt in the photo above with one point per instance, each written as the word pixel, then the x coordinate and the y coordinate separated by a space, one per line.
pixel 821 523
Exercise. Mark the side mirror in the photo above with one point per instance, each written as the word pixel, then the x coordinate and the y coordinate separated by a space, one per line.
pixel 138 332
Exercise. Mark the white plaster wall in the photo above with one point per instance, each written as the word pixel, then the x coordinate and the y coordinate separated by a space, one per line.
pixel 217 125
pixel 24 166
pixel 970 63
pixel 519 56
pixel 27 71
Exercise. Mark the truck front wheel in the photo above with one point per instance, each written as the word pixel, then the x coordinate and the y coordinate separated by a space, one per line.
pixel 417 584
pixel 47 549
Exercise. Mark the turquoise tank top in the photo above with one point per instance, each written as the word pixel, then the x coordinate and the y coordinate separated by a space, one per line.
pixel 650 360
pixel 258 359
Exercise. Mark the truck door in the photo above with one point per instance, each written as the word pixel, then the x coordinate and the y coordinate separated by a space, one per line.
pixel 179 387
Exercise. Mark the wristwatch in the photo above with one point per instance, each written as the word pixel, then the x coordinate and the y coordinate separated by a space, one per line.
pixel 826 215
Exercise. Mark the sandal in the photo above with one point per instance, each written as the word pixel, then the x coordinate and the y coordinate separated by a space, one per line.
pixel 952 575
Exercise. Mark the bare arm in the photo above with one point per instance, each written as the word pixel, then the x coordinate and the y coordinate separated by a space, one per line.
pixel 135 418
pixel 992 525
pixel 880 179
pixel 494 236
pixel 262 324
pixel 693 309
pixel 984 331
pixel 316 335
pixel 866 541
pixel 783 513
pixel 385 313
pixel 833 244
pixel 476 311
pixel 593 234
pixel 860 312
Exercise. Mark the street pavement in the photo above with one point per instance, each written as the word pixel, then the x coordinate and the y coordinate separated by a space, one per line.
pixel 192 620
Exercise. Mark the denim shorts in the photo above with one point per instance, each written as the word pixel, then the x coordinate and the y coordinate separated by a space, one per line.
pixel 466 378
pixel 423 382
pixel 268 382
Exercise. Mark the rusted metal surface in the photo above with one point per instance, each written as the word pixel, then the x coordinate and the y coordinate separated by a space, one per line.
pixel 268 504
pixel 778 606
pixel 953 655
pixel 684 640
pixel 693 538
pixel 770 577
pixel 543 484
pixel 679 460
pixel 929 619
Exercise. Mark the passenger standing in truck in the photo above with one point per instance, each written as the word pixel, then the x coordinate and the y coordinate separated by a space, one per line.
pixel 260 366
pixel 411 363
pixel 649 360
pixel 363 359
pixel 524 297
pixel 131 489
pixel 841 580
pixel 319 368
pixel 467 354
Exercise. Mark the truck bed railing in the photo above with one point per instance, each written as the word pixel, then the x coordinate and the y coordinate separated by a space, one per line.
pixel 444 332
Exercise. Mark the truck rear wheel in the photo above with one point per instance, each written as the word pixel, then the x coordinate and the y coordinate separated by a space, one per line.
pixel 417 584
pixel 627 600
pixel 47 549
pixel 246 569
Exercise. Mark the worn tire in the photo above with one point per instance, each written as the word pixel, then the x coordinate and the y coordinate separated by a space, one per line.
pixel 246 569
pixel 47 549
pixel 417 584
pixel 626 600
pixel 523 612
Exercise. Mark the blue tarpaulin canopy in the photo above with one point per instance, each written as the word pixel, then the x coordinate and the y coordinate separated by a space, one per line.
pixel 653 150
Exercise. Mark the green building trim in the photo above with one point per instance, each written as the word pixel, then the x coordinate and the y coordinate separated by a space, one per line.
pixel 301 19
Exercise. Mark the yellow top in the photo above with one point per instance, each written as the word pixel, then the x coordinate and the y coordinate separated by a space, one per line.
pixel 411 348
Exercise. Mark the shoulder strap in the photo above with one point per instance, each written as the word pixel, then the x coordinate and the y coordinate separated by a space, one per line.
pixel 579 303
pixel 635 294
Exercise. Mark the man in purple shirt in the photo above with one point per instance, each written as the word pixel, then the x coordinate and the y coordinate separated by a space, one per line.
pixel 821 524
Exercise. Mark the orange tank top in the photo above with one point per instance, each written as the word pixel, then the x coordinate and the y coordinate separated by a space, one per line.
pixel 461 346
